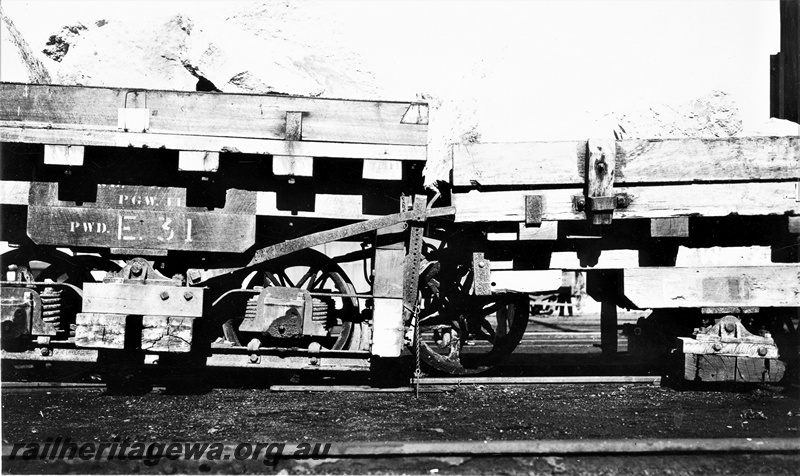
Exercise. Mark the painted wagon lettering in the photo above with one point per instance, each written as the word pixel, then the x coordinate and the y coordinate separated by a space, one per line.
pixel 121 227
pixel 88 227
pixel 168 232
pixel 137 200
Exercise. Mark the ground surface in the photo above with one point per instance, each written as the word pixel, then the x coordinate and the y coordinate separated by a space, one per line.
pixel 241 409
pixel 466 413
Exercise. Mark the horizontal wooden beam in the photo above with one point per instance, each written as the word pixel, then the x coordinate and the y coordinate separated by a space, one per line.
pixel 208 114
pixel 763 286
pixel 760 198
pixel 637 161
pixel 41 133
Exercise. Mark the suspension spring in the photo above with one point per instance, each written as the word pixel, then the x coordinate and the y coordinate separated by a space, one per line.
pixel 51 307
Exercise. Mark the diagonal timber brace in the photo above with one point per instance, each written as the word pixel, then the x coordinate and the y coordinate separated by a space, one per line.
pixel 197 276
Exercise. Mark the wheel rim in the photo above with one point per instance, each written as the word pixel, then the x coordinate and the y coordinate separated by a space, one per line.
pixel 460 332
pixel 312 271
pixel 61 267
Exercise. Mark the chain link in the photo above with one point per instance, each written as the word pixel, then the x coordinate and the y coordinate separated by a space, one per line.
pixel 417 369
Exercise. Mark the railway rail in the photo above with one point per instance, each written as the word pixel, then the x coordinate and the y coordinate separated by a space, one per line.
pixel 462 457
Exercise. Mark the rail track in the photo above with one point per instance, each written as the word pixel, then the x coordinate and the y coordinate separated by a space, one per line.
pixel 432 457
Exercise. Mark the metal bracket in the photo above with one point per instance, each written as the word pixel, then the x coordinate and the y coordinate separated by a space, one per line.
pixel 600 170
pixel 482 275
pixel 131 118
pixel 534 209
pixel 294 125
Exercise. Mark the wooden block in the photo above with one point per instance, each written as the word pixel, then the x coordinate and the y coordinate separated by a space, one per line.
pixel 743 286
pixel 716 368
pixel 383 170
pixel 534 209
pixel 759 370
pixel 198 161
pixel 548 230
pixel 719 368
pixel 325 206
pixel 14 192
pixel 387 316
pixel 608 327
pixel 70 155
pixel 690 367
pixel 482 275
pixel 142 300
pixel 669 227
pixel 293 165
pixel 100 330
pixel 794 225
pixel 167 333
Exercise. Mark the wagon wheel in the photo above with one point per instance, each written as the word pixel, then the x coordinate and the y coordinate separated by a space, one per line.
pixel 313 271
pixel 463 333
pixel 42 264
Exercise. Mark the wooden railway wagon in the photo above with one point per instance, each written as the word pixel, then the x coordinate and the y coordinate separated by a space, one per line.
pixel 182 229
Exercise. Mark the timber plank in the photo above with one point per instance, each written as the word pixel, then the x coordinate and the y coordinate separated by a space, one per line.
pixel 686 160
pixel 233 115
pixel 143 197
pixel 40 133
pixel 637 161
pixel 147 229
pixel 663 201
pixel 764 286
pixel 137 299
pixel 520 163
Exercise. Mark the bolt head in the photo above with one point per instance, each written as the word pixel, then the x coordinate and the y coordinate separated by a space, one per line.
pixel 136 269
pixel 45 351
pixel 730 327
pixel 482 264
pixel 762 351
pixel 188 296
pixel 717 347
pixel 164 295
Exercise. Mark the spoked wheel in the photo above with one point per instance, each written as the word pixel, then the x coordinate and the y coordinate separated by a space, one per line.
pixel 315 272
pixel 43 264
pixel 462 333
pixel 47 265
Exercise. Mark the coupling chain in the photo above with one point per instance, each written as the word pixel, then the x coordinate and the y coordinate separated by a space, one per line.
pixel 417 368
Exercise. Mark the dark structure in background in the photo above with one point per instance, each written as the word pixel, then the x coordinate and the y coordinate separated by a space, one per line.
pixel 785 66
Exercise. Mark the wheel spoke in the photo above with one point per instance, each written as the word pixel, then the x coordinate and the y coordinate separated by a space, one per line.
pixel 310 276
